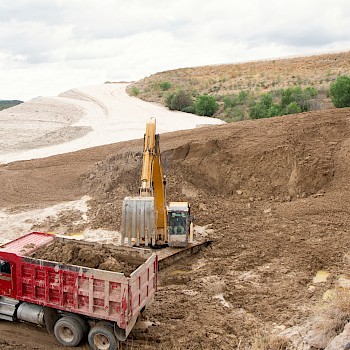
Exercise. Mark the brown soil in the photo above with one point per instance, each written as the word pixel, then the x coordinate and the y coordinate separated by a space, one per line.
pixel 89 255
pixel 274 191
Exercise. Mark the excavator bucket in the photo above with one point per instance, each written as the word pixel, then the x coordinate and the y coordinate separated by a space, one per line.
pixel 138 221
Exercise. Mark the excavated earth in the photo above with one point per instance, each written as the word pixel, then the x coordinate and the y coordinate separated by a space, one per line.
pixel 275 194
pixel 89 255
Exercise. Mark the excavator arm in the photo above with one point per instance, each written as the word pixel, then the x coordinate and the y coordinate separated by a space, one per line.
pixel 144 218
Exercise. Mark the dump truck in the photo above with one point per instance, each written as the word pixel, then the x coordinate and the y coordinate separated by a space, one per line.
pixel 74 302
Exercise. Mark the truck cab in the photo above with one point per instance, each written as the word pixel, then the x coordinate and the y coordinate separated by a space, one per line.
pixel 180 225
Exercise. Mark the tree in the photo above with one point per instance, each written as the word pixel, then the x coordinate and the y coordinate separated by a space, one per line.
pixel 206 105
pixel 179 100
pixel 340 92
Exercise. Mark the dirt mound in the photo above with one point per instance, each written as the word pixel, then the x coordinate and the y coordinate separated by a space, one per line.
pixel 88 255
pixel 275 192
pixel 293 157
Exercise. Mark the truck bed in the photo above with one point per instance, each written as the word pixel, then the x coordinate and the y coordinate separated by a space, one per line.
pixel 88 291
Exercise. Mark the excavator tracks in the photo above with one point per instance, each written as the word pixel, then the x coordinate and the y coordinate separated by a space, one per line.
pixel 168 256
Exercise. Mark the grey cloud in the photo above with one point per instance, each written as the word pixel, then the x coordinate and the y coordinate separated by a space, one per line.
pixel 36 11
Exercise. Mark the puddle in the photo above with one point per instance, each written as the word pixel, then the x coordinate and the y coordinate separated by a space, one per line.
pixel 321 277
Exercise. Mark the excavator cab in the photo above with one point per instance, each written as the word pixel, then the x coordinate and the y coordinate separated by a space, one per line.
pixel 180 226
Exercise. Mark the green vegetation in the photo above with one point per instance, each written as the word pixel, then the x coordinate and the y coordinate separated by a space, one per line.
pixel 285 101
pixel 179 100
pixel 245 104
pixel 264 107
pixel 134 91
pixel 189 109
pixel 206 105
pixel 231 101
pixel 9 103
pixel 165 86
pixel 297 96
pixel 340 92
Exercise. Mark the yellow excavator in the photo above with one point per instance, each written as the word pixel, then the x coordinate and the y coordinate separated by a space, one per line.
pixel 146 219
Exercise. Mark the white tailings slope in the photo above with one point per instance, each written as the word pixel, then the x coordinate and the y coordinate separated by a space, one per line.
pixel 82 118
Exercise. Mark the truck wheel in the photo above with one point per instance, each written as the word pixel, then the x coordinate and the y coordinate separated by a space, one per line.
pixel 68 331
pixel 82 322
pixel 101 337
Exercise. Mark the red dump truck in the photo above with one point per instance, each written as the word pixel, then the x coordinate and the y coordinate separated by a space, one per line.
pixel 74 302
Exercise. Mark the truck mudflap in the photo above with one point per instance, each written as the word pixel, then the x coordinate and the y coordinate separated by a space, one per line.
pixel 50 317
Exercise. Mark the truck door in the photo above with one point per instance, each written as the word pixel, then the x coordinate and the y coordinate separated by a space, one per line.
pixel 6 281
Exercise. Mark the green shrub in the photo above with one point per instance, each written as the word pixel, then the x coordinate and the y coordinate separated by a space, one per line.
pixel 264 107
pixel 340 92
pixel 302 97
pixel 233 114
pixel 165 86
pixel 232 101
pixel 292 108
pixel 134 91
pixel 189 109
pixel 179 100
pixel 206 105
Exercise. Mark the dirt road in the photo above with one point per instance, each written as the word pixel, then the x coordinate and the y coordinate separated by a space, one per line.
pixel 273 195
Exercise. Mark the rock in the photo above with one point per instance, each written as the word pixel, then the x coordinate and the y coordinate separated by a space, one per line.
pixel 341 341
pixel 318 339
pixel 239 192
pixel 202 207
pixel 267 211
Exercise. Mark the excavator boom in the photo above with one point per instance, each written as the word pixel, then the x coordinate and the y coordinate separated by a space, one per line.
pixel 144 218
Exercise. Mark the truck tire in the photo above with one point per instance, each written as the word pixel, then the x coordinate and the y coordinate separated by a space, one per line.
pixel 84 325
pixel 68 331
pixel 101 337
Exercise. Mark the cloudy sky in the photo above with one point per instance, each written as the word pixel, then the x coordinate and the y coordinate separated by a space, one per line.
pixel 49 46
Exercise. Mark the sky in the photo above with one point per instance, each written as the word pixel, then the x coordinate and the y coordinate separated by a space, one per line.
pixel 50 46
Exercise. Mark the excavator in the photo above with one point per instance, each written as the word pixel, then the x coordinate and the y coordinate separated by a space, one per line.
pixel 146 219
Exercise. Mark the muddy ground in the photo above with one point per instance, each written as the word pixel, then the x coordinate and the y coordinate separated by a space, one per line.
pixel 275 192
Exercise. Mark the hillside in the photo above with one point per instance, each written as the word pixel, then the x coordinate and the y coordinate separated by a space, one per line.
pixel 9 103
pixel 273 196
pixel 255 77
